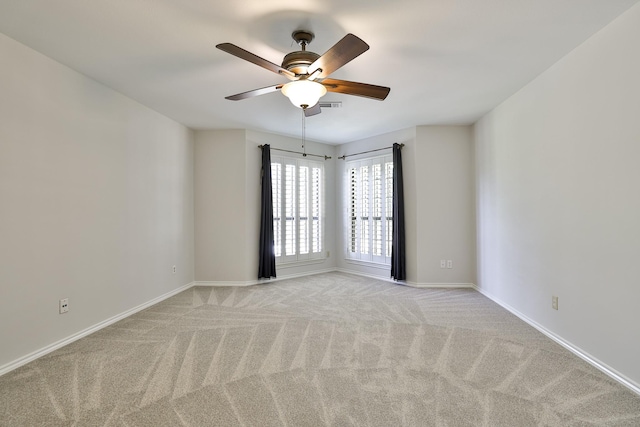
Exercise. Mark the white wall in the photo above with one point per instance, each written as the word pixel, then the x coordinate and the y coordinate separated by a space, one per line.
pixel 438 175
pixel 559 201
pixel 445 183
pixel 96 202
pixel 220 207
pixel 227 174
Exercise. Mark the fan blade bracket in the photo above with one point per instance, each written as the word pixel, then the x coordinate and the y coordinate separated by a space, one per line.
pixel 315 74
pixel 288 74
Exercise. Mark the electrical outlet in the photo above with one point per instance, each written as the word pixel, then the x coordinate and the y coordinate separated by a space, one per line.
pixel 443 263
pixel 554 302
pixel 449 263
pixel 174 269
pixel 64 305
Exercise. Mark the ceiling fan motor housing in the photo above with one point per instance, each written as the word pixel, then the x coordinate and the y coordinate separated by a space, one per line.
pixel 298 62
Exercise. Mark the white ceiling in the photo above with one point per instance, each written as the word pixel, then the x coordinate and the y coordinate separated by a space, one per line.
pixel 446 61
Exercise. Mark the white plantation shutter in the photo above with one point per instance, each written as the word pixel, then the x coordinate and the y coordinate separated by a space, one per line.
pixel 364 209
pixel 303 209
pixel 388 176
pixel 276 188
pixel 298 211
pixel 370 209
pixel 316 209
pixel 289 207
pixel 352 237
pixel 376 209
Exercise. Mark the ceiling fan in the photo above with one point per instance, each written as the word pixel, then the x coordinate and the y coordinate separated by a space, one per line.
pixel 308 72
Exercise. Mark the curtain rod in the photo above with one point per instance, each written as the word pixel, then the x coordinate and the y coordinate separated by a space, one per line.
pixel 298 152
pixel 365 152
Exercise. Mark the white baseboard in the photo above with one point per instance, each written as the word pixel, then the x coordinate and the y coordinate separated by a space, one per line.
pixel 406 283
pixel 294 275
pixel 384 278
pixel 262 281
pixel 627 382
pixel 441 285
pixel 226 283
pixel 74 337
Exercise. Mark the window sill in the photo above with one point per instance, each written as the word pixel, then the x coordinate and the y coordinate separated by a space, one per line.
pixel 291 264
pixel 371 264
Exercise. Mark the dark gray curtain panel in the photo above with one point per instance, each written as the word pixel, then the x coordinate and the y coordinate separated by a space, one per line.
pixel 398 262
pixel 267 261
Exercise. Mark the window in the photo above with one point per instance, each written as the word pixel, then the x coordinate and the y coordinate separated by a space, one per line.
pixel 370 209
pixel 298 225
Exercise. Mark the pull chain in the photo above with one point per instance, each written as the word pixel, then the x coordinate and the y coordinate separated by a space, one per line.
pixel 304 135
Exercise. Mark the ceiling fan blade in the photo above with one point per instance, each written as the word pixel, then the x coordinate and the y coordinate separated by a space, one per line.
pixel 312 111
pixel 248 56
pixel 341 53
pixel 255 92
pixel 355 88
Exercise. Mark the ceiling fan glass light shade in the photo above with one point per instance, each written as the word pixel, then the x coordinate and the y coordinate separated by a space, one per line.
pixel 304 92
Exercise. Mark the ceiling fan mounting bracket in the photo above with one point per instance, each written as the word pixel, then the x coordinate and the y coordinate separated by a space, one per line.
pixel 302 37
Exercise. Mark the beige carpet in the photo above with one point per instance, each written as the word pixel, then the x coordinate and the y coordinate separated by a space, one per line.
pixel 331 349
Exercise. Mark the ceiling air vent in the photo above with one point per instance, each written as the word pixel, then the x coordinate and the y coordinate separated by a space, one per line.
pixel 329 104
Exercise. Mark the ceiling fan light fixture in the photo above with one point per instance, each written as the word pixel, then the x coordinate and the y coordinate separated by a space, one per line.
pixel 304 93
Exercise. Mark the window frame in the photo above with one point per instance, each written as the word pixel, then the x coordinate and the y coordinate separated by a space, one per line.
pixel 314 216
